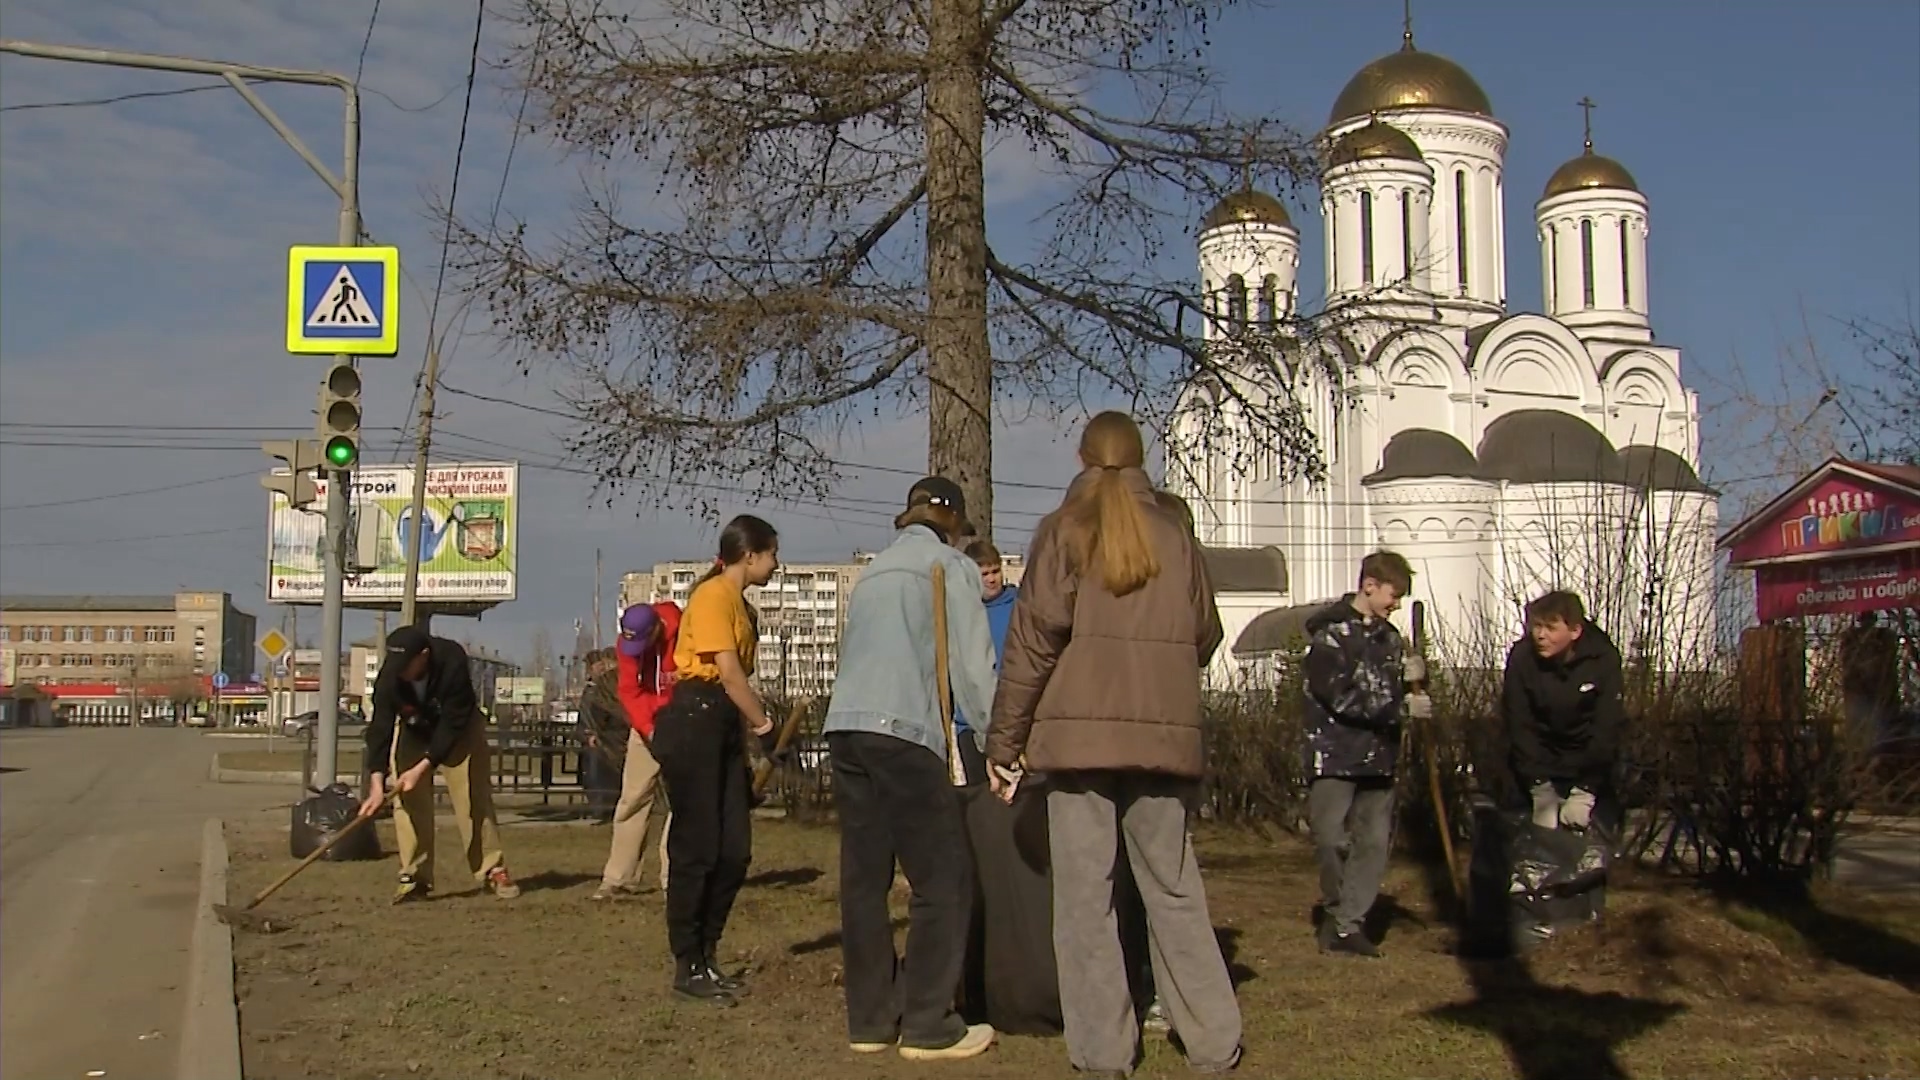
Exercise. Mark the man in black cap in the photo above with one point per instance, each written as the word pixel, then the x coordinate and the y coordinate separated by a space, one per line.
pixel 426 717
pixel 897 769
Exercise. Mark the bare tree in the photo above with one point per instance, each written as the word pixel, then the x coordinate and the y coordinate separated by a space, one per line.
pixel 1892 401
pixel 827 258
pixel 540 655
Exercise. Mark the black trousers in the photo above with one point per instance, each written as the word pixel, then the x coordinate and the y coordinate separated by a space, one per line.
pixel 697 741
pixel 896 802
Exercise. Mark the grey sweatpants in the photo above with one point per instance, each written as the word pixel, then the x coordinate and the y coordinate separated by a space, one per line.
pixel 1090 817
pixel 1352 823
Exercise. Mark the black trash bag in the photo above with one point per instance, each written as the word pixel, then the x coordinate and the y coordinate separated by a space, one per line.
pixel 324 813
pixel 1529 882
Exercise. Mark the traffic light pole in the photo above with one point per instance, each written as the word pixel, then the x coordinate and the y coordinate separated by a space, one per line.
pixel 347 186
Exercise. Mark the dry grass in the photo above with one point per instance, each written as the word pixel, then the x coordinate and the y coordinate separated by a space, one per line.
pixel 1679 983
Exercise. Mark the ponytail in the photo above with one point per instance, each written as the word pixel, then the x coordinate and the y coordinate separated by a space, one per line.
pixel 1105 521
pixel 744 535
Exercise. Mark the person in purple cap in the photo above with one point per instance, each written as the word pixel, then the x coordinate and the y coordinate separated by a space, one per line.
pixel 644 681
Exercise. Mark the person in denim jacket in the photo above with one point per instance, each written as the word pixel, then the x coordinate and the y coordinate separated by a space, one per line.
pixel 894 778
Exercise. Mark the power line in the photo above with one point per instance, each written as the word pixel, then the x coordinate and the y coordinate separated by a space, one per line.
pixel 127 539
pixel 360 68
pixel 89 103
pixel 127 494
pixel 428 372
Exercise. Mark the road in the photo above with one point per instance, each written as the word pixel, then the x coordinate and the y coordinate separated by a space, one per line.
pixel 100 839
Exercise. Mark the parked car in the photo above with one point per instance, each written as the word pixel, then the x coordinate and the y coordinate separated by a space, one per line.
pixel 197 720
pixel 294 726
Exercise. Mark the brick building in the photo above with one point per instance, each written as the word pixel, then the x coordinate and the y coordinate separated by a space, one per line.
pixel 82 640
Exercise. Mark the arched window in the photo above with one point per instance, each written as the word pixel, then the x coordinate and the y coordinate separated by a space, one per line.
pixel 1366 238
pixel 1406 234
pixel 1269 295
pixel 1586 261
pixel 1626 281
pixel 1237 301
pixel 1460 225
pixel 1553 267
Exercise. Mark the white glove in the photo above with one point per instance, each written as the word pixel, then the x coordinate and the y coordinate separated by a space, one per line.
pixel 1419 706
pixel 1577 811
pixel 1414 669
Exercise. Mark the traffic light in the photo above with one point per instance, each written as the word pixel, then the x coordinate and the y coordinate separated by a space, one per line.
pixel 303 460
pixel 340 416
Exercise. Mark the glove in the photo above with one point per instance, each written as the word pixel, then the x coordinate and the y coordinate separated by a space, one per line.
pixel 1414 670
pixel 1419 706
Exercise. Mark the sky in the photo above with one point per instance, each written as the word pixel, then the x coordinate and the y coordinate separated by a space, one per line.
pixel 142 254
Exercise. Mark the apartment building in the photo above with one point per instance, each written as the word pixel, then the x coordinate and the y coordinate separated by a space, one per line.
pixel 77 640
pixel 803 615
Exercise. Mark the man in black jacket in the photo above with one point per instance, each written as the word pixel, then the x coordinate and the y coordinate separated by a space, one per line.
pixel 1562 699
pixel 1355 690
pixel 426 717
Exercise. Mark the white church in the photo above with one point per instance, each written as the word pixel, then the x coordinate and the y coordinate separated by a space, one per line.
pixel 1504 453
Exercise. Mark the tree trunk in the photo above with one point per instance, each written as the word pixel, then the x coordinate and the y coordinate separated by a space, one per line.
pixel 959 357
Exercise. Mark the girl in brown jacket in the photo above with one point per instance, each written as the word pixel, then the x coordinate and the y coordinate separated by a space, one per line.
pixel 1100 690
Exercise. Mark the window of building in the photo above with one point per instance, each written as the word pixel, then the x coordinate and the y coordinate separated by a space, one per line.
pixel 166 635
pixel 126 634
pixel 1626 283
pixel 1366 238
pixel 6 633
pixel 1406 234
pixel 1237 300
pixel 153 635
pixel 86 635
pixel 69 634
pixel 1263 307
pixel 1460 225
pixel 113 634
pixel 1586 261
pixel 1553 268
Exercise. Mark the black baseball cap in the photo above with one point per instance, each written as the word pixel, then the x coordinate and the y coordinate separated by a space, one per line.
pixel 937 491
pixel 407 643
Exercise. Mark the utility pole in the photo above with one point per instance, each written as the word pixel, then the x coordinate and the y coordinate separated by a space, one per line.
pixel 596 599
pixel 410 591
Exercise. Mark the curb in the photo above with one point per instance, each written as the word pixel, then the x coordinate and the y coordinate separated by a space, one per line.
pixel 248 776
pixel 210 1032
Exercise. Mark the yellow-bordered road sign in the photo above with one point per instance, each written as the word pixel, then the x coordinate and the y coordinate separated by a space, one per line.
pixel 343 300
pixel 274 644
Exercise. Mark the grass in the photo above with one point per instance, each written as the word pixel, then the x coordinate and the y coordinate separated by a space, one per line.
pixel 287 760
pixel 1678 982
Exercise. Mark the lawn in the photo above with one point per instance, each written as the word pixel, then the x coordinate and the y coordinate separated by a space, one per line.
pixel 1676 984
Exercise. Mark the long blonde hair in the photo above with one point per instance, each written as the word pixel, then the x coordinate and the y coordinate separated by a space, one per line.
pixel 1102 517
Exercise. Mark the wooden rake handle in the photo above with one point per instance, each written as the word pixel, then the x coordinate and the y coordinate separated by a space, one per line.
pixel 320 852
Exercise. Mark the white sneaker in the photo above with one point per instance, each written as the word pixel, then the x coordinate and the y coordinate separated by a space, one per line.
pixel 978 1040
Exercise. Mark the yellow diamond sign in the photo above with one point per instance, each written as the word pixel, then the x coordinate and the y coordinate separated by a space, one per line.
pixel 274 644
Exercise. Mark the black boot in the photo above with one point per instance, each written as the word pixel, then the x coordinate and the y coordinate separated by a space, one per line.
pixel 732 984
pixel 692 979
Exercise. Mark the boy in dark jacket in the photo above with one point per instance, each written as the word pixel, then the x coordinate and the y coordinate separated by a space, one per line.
pixel 1354 689
pixel 426 717
pixel 1563 709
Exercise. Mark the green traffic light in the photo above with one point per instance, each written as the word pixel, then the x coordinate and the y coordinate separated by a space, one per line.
pixel 341 453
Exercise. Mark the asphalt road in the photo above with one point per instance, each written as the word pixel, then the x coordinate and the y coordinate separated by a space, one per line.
pixel 100 839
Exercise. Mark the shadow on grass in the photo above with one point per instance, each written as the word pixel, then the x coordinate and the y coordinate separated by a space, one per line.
pixel 1549 1031
pixel 830 940
pixel 1229 939
pixel 1830 935
pixel 785 879
pixel 554 881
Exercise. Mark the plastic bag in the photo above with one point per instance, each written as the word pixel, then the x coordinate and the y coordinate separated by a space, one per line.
pixel 324 813
pixel 1528 882
pixel 1556 862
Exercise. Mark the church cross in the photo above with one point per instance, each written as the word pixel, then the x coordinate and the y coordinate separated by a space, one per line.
pixel 1406 24
pixel 1246 165
pixel 1587 106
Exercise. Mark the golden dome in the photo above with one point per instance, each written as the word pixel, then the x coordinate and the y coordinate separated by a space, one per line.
pixel 1589 172
pixel 1376 141
pixel 1410 79
pixel 1249 207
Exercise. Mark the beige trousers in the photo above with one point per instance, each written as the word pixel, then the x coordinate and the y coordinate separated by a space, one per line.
pixel 639 788
pixel 469 789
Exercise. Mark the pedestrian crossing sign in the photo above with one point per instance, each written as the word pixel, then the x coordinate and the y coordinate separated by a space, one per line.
pixel 343 300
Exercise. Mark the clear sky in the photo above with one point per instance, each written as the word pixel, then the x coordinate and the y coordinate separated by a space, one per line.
pixel 142 248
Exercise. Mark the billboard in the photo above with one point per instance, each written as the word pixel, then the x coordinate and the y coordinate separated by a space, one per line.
pixel 469 541
pixel 520 690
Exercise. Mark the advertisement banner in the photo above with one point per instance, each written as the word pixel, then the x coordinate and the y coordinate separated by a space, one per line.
pixel 1839 586
pixel 469 541
pixel 520 690
pixel 1839 514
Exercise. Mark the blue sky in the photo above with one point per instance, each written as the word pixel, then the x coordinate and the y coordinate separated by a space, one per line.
pixel 143 246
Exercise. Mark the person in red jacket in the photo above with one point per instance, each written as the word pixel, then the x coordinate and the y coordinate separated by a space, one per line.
pixel 645 653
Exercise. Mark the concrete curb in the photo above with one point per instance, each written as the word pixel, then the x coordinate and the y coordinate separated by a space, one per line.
pixel 210 1032
pixel 248 776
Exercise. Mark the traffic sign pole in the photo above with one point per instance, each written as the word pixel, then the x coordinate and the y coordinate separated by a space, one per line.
pixel 326 761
